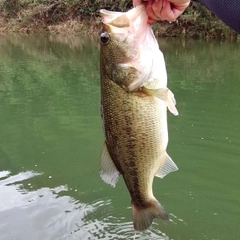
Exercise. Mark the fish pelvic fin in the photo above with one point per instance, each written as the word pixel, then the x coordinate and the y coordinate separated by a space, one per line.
pixel 143 216
pixel 166 95
pixel 167 166
pixel 108 170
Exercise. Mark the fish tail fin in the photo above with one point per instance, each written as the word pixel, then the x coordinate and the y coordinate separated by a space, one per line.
pixel 143 216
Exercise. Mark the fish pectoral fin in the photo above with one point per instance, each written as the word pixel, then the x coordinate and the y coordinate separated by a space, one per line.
pixel 108 170
pixel 171 103
pixel 167 166
pixel 165 95
pixel 160 93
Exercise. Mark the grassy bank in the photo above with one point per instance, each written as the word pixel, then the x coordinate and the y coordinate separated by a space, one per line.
pixel 82 16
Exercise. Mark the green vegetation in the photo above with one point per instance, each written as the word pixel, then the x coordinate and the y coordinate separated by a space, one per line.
pixel 81 16
pixel 198 22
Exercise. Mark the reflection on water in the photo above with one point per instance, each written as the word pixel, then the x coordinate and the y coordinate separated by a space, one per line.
pixel 51 139
pixel 38 211
pixel 59 217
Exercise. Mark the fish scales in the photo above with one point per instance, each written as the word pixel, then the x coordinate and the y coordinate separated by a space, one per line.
pixel 131 123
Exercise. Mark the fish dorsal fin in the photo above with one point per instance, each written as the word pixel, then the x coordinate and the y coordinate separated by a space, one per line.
pixel 167 166
pixel 166 95
pixel 108 170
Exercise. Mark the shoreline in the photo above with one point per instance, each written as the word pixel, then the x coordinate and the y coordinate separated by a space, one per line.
pixel 177 29
pixel 58 18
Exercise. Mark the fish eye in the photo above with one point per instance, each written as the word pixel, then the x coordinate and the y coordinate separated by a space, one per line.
pixel 104 37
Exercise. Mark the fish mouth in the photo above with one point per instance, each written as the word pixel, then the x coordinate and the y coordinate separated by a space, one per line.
pixel 134 19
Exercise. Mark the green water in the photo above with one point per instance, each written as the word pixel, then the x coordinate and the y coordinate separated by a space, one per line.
pixel 51 138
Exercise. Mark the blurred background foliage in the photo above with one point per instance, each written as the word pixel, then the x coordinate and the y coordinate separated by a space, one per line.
pixel 82 16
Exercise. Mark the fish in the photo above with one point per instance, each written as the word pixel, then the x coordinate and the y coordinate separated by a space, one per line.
pixel 134 103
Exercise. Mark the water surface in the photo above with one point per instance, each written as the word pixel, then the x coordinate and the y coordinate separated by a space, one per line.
pixel 51 138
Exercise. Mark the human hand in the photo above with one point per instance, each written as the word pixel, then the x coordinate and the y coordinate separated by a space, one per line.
pixel 163 9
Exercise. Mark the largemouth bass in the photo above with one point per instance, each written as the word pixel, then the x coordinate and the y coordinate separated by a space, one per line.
pixel 134 100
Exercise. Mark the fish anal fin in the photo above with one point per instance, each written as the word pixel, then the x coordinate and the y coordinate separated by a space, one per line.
pixel 143 216
pixel 166 167
pixel 108 170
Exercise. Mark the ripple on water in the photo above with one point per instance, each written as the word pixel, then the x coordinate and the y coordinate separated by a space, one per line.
pixel 109 227
pixel 46 214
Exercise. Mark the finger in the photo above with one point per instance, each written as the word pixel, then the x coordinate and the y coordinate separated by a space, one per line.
pixel 150 13
pixel 167 12
pixel 153 10
pixel 151 21
pixel 157 8
pixel 177 12
pixel 172 11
